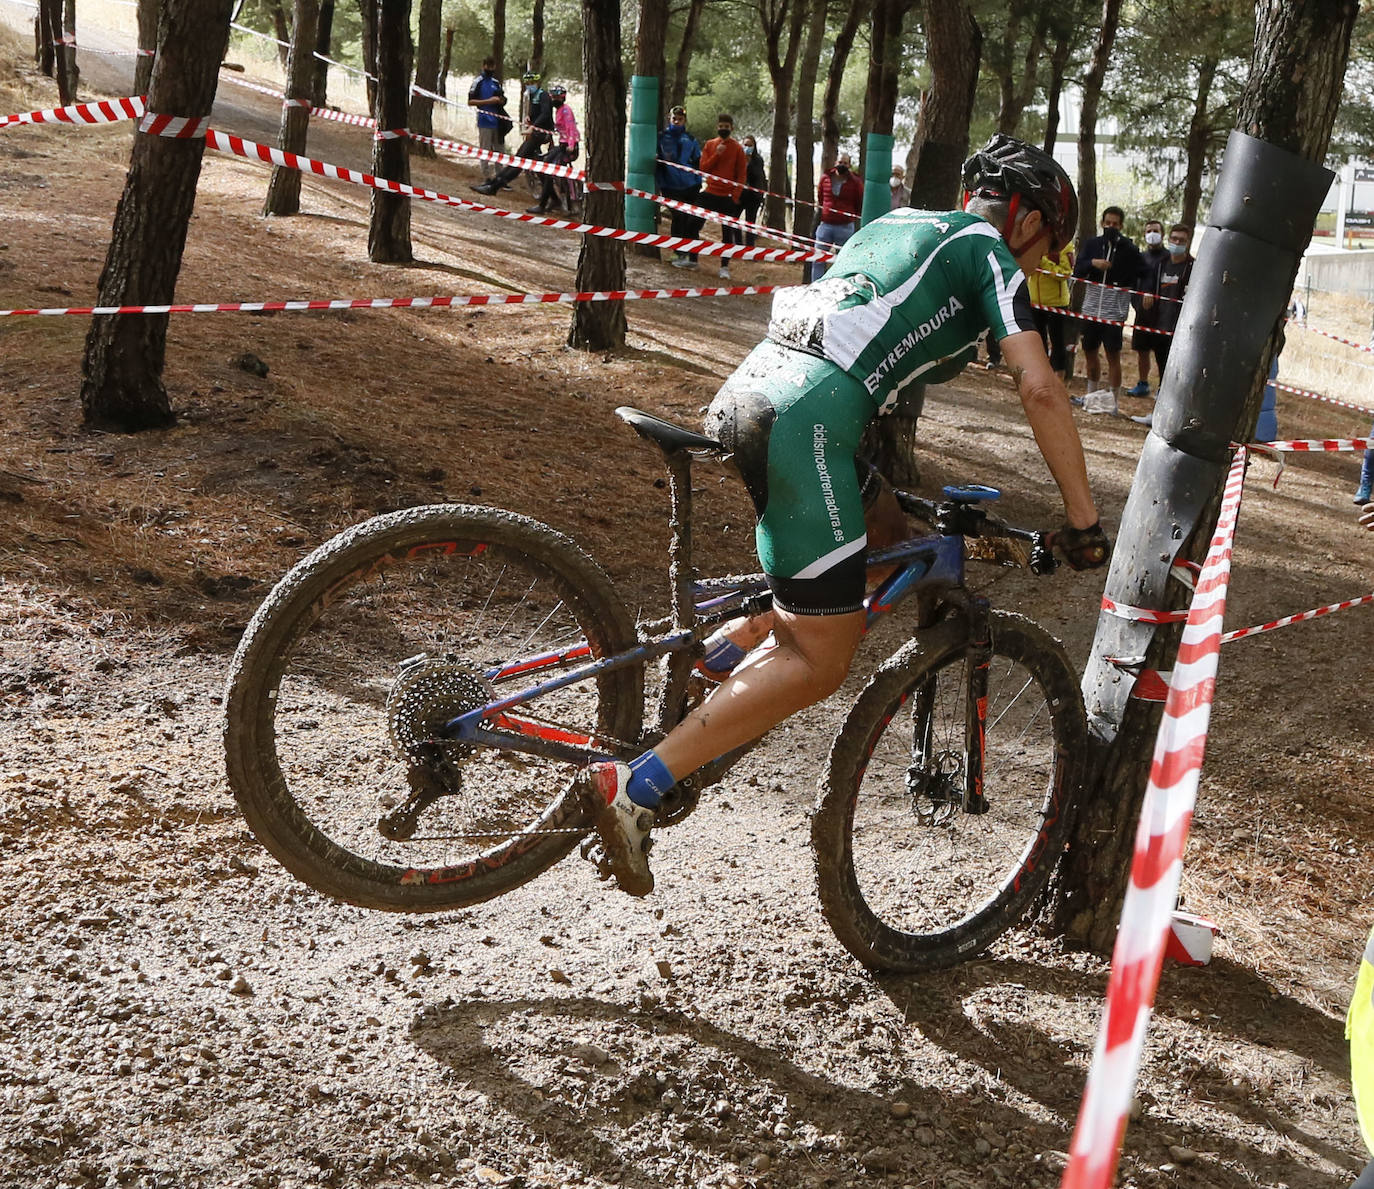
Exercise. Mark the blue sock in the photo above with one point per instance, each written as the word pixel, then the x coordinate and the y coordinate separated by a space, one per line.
pixel 722 655
pixel 649 780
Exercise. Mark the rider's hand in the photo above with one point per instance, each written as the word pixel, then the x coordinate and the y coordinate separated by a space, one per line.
pixel 1083 548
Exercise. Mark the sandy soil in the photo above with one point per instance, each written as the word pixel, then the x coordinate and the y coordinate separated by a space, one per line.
pixel 182 1012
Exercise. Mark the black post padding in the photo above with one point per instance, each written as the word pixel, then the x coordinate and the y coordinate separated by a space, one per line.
pixel 1261 221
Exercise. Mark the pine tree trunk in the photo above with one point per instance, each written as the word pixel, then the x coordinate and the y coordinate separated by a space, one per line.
pixel 66 56
pixel 781 18
pixel 1022 90
pixel 678 94
pixel 1054 88
pixel 498 36
pixel 448 60
pixel 1290 101
pixel 1196 144
pixel 388 234
pixel 834 80
pixel 884 65
pixel 284 186
pixel 600 326
pixel 807 70
pixel 651 61
pixel 324 32
pixel 122 369
pixel 147 40
pixel 282 31
pixel 431 26
pixel 954 46
pixel 367 12
pixel 47 35
pixel 1087 120
pixel 537 36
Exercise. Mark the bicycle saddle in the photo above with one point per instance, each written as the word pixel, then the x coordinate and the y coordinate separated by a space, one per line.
pixel 667 436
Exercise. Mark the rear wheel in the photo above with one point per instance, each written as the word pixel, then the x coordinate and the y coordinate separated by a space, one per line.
pixel 909 879
pixel 373 642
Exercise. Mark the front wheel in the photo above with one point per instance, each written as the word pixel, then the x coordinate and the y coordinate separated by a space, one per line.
pixel 913 875
pixel 349 669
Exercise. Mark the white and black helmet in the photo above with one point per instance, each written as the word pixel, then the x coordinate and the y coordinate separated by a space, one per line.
pixel 1012 169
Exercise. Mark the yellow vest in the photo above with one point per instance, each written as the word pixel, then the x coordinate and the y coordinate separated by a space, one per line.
pixel 1052 290
pixel 1359 1031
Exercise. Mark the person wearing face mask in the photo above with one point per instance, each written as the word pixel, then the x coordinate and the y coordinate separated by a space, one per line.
pixel 1165 300
pixel 1110 264
pixel 901 192
pixel 755 183
pixel 538 134
pixel 679 155
pixel 493 123
pixel 1143 338
pixel 726 167
pixel 563 153
pixel 841 195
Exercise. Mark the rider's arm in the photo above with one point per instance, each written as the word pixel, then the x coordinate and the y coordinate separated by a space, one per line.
pixel 1046 402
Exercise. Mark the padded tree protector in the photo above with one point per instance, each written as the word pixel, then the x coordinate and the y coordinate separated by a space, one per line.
pixel 1261 219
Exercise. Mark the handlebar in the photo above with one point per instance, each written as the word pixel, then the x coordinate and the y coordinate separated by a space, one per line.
pixel 958 517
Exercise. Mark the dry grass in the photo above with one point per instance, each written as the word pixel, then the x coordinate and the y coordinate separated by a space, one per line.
pixel 1324 365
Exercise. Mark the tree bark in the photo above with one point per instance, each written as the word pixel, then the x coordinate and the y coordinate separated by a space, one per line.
pixel 147 40
pixel 1199 133
pixel 781 19
pixel 600 326
pixel 834 80
pixel 1087 121
pixel 67 75
pixel 47 34
pixel 388 235
pixel 431 27
pixel 324 34
pixel 121 385
pixel 284 186
pixel 448 60
pixel 1290 101
pixel 498 36
pixel 954 46
pixel 537 37
pixel 651 61
pixel 367 11
pixel 678 94
pixel 1054 87
pixel 808 68
pixel 1021 91
pixel 884 64
pixel 281 30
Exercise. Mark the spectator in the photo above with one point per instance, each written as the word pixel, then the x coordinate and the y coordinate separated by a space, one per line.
pixel 1297 308
pixel 1143 340
pixel 1165 301
pixel 493 123
pixel 677 147
pixel 756 182
pixel 538 134
pixel 564 152
pixel 901 192
pixel 1049 286
pixel 1110 264
pixel 1267 426
pixel 842 198
pixel 726 166
pixel 1366 488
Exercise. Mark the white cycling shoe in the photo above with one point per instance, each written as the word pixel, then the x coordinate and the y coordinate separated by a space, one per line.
pixel 622 825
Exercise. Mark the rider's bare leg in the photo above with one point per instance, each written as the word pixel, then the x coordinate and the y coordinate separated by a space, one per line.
pixel 809 663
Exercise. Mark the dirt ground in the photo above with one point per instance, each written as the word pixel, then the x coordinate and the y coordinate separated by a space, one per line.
pixel 181 1012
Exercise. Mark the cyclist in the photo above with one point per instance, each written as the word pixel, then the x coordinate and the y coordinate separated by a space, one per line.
pixel 905 301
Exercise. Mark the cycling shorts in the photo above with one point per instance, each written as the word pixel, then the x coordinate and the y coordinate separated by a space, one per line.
pixel 792 423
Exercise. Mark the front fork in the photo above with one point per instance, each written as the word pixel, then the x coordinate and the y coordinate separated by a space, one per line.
pixel 977 658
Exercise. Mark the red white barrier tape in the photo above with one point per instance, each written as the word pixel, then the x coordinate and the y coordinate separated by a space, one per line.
pixel 1317 613
pixel 1326 334
pixel 241 147
pixel 1068 313
pixel 1157 866
pixel 1330 400
pixel 405 303
pixel 1141 614
pixel 1071 279
pixel 787 237
pixel 1316 445
pixel 106 111
pixel 178 127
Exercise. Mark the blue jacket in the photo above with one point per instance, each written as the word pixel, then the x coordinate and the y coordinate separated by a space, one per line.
pixel 679 146
pixel 486 86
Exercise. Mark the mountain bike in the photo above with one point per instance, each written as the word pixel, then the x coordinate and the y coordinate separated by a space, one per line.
pixel 408 709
